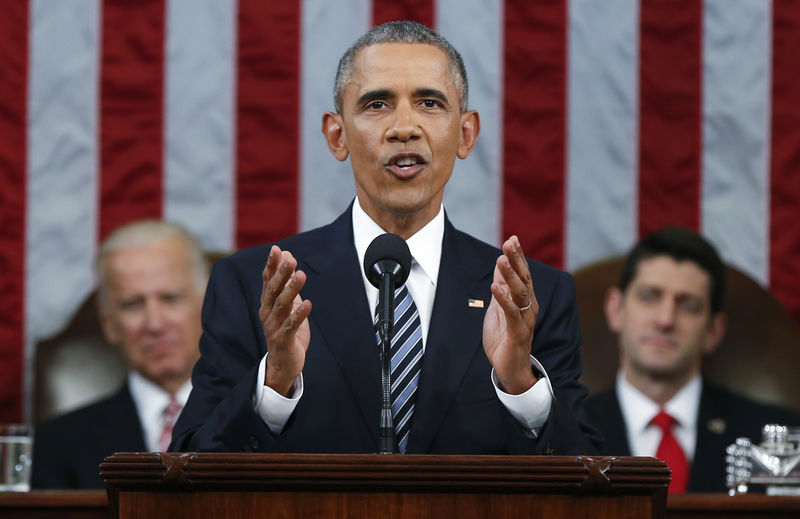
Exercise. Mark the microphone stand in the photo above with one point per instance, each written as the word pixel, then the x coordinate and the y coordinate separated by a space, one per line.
pixel 387 263
pixel 386 443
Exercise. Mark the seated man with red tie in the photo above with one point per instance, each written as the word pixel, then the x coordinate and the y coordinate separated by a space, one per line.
pixel 667 312
pixel 151 281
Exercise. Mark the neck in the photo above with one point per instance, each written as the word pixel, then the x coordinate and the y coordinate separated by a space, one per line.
pixel 660 389
pixel 172 385
pixel 404 225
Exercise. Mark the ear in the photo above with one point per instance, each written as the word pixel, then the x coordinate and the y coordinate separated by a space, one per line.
pixel 333 130
pixel 613 307
pixel 716 331
pixel 107 324
pixel 470 128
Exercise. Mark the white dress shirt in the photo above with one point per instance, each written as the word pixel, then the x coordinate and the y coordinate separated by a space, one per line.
pixel 151 401
pixel 638 410
pixel 530 408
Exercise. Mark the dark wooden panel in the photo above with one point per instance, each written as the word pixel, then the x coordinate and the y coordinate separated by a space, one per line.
pixel 53 504
pixel 174 486
pixel 717 506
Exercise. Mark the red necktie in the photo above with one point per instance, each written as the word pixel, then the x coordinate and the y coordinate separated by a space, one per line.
pixel 170 416
pixel 670 451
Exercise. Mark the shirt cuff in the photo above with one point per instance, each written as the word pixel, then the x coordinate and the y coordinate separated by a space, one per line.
pixel 274 408
pixel 532 407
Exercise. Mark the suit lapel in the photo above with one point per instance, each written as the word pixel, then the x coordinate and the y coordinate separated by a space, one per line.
pixel 454 335
pixel 709 454
pixel 615 435
pixel 340 314
pixel 120 429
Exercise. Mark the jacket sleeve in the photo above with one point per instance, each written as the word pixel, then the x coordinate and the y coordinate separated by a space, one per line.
pixel 219 415
pixel 556 344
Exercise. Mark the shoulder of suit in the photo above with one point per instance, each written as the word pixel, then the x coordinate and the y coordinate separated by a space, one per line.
pixel 746 407
pixel 491 251
pixel 78 419
pixel 600 399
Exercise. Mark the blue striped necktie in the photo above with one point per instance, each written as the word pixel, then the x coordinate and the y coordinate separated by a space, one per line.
pixel 406 353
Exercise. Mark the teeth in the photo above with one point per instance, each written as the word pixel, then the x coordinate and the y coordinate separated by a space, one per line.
pixel 406 162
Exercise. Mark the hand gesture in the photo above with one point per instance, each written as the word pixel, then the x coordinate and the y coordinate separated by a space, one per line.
pixel 284 318
pixel 510 318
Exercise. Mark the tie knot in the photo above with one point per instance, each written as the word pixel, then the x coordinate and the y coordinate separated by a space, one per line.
pixel 663 420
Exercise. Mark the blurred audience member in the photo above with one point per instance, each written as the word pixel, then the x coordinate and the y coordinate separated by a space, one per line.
pixel 667 311
pixel 151 281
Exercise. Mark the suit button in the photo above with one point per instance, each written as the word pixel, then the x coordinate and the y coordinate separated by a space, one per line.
pixel 549 450
pixel 253 443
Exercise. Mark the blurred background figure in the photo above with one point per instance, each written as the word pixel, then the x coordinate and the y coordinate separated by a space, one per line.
pixel 667 313
pixel 151 281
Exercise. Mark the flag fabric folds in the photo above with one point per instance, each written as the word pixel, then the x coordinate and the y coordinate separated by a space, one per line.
pixel 601 120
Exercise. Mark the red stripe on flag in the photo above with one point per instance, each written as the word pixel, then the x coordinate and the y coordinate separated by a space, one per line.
pixel 670 130
pixel 131 112
pixel 13 124
pixel 785 167
pixel 268 111
pixel 421 11
pixel 534 119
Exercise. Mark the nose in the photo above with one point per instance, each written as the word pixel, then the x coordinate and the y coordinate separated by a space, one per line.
pixel 404 125
pixel 154 317
pixel 665 313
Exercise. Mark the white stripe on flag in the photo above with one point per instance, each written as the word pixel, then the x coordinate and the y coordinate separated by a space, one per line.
pixel 602 114
pixel 199 154
pixel 473 196
pixel 61 226
pixel 736 118
pixel 62 162
pixel 328 29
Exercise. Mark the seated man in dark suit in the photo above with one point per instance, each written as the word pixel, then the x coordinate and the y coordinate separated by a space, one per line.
pixel 667 312
pixel 492 367
pixel 151 280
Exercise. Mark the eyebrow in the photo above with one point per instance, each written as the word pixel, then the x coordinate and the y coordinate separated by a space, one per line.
pixel 373 95
pixel 431 92
pixel 383 93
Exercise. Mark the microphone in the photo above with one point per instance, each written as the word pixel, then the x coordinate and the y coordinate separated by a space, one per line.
pixel 387 264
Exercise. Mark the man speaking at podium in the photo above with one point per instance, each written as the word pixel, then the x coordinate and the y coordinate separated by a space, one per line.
pixel 289 356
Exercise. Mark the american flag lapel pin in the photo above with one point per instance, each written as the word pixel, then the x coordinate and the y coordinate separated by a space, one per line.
pixel 475 303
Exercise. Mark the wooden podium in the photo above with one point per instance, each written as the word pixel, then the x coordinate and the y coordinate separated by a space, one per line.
pixel 192 485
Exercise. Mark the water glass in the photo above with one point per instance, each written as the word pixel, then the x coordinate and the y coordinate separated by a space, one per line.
pixel 16 447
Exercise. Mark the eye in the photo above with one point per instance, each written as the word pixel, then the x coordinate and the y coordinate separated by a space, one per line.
pixel 648 295
pixel 431 103
pixel 130 305
pixel 691 305
pixel 376 105
pixel 171 298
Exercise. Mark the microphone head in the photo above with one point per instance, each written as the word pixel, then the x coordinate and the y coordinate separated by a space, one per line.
pixel 388 253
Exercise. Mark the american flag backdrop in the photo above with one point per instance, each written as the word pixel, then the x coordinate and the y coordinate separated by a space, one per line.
pixel 601 120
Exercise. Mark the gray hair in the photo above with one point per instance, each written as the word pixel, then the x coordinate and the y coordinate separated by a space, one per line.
pixel 401 32
pixel 147 232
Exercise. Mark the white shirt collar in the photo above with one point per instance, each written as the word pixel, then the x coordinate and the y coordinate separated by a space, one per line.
pixel 150 402
pixel 425 245
pixel 639 410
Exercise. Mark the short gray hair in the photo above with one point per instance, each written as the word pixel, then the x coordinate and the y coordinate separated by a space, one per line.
pixel 401 32
pixel 147 232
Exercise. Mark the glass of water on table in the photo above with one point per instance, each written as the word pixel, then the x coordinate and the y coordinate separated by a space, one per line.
pixel 16 447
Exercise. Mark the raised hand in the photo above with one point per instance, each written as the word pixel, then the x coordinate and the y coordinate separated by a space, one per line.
pixel 510 318
pixel 284 318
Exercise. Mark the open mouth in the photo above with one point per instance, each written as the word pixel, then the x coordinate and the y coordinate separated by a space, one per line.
pixel 406 165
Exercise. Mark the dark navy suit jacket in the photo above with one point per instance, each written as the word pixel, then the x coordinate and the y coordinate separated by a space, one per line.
pixel 68 450
pixel 722 417
pixel 457 409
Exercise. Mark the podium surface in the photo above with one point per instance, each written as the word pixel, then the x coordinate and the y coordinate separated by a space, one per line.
pixel 389 486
